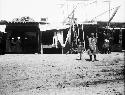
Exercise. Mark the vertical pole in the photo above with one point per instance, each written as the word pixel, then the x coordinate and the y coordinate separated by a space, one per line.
pixel 83 36
pixel 109 13
pixel 39 41
pixel 108 24
pixel 97 39
pixel 70 34
pixel 120 37
pixel 62 41
pixel 78 32
pixel 76 35
pixel 41 45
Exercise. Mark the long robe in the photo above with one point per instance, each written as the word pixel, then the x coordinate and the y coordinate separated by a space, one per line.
pixel 92 46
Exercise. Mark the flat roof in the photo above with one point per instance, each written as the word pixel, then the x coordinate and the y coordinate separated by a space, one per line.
pixel 22 22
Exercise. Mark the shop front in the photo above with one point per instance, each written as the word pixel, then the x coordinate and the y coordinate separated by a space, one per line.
pixel 22 37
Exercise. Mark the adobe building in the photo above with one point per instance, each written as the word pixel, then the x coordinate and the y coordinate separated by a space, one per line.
pixel 50 39
pixel 22 36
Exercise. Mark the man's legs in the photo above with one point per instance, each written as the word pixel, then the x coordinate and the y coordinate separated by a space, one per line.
pixel 94 57
pixel 90 57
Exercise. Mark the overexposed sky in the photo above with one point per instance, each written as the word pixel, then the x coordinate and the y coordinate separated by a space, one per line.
pixel 58 10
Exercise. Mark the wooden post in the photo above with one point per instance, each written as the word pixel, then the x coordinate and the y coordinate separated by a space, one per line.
pixel 39 42
pixel 120 37
pixel 62 42
pixel 84 40
pixel 70 34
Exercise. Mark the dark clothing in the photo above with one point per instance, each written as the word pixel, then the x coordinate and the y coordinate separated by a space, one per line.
pixel 59 44
pixel 18 46
pixel 3 45
pixel 92 46
pixel 106 46
pixel 80 48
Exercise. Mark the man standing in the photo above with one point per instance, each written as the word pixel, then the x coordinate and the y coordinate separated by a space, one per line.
pixel 92 47
pixel 18 45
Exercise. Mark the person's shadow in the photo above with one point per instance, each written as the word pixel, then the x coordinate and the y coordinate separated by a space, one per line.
pixel 78 59
pixel 88 60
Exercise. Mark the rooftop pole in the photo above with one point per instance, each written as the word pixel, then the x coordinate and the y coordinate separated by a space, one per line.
pixel 109 13
pixel 108 1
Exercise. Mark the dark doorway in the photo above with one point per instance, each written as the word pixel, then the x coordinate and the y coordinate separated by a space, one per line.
pixel 22 38
pixel 123 39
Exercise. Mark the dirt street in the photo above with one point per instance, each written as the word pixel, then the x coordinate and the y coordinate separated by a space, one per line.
pixel 61 74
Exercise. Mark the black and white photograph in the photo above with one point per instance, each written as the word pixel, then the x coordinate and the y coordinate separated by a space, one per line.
pixel 62 47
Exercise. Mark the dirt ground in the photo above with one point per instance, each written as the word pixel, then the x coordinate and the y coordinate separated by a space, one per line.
pixel 61 74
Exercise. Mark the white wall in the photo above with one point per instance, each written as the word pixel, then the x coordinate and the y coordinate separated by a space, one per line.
pixel 58 36
pixel 2 28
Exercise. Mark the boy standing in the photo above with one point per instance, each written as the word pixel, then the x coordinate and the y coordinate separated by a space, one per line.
pixel 80 50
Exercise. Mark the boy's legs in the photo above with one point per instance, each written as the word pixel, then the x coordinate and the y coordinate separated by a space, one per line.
pixel 91 55
pixel 80 55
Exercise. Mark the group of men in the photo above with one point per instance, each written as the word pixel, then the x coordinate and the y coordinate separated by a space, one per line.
pixel 13 45
pixel 92 50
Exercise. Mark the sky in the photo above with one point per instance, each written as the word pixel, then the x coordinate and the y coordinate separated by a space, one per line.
pixel 58 10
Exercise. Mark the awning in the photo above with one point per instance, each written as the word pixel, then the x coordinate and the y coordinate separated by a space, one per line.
pixel 53 27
